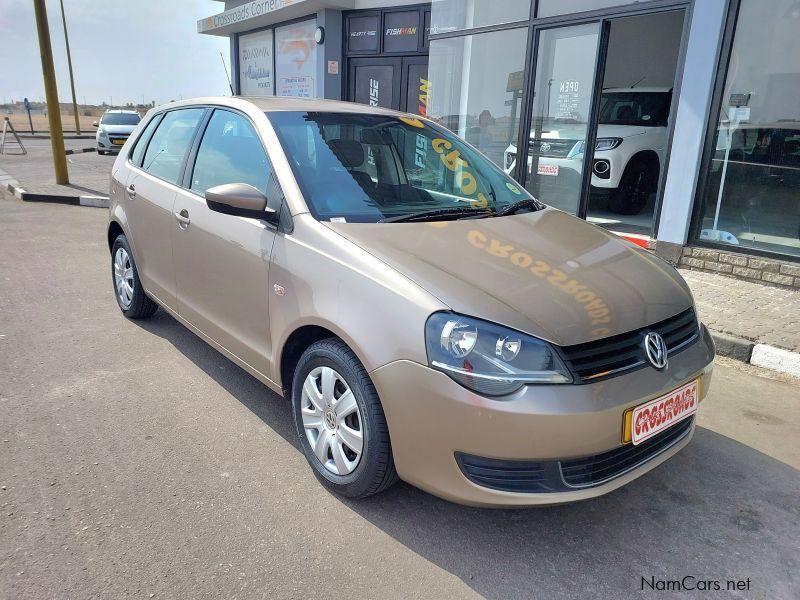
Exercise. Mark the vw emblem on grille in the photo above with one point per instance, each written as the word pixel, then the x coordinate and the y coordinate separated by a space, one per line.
pixel 656 350
pixel 545 147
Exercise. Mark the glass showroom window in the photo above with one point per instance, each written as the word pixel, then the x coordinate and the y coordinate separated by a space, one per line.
pixel 476 87
pixel 752 194
pixel 450 15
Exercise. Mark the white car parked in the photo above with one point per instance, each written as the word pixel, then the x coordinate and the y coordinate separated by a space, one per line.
pixel 114 128
pixel 629 151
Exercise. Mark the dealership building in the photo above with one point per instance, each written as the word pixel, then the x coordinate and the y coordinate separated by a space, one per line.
pixel 690 108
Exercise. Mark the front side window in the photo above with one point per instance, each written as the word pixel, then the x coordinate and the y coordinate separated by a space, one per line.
pixel 643 109
pixel 166 150
pixel 751 197
pixel 120 119
pixel 370 168
pixel 230 152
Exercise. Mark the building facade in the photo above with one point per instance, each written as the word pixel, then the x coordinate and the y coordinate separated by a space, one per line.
pixel 675 123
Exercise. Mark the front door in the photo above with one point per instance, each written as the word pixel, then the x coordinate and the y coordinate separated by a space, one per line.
pixel 414 89
pixel 222 261
pixel 375 81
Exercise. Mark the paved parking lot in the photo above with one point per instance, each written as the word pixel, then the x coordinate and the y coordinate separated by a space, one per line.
pixel 135 461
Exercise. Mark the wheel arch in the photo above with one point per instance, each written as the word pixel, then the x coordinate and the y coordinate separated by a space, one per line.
pixel 298 341
pixel 648 157
pixel 114 231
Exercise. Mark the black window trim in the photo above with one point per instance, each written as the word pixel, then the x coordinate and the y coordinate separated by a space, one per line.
pixel 141 139
pixel 285 223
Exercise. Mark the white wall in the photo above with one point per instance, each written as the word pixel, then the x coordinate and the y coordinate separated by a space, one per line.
pixel 690 123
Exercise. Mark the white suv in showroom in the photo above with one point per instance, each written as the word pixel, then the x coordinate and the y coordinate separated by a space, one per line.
pixel 631 139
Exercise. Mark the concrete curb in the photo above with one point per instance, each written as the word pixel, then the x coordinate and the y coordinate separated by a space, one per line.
pixel 776 359
pixel 79 150
pixel 12 187
pixel 759 355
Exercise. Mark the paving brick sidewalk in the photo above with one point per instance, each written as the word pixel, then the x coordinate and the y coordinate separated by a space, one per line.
pixel 753 311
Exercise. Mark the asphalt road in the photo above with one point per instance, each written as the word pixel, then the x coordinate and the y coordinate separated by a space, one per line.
pixel 135 461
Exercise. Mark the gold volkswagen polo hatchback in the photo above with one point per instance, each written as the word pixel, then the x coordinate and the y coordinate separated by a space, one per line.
pixel 426 317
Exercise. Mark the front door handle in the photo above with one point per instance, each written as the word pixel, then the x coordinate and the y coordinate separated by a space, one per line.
pixel 131 191
pixel 183 218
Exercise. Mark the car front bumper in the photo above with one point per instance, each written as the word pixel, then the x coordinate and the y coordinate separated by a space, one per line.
pixel 433 422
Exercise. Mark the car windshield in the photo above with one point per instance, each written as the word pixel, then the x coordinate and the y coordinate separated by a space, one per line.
pixel 120 119
pixel 645 109
pixel 370 168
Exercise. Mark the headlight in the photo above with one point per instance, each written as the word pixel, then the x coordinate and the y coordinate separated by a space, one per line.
pixel 101 132
pixel 488 358
pixel 607 143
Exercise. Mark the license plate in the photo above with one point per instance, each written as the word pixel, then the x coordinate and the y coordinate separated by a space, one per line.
pixel 657 415
pixel 118 142
pixel 547 170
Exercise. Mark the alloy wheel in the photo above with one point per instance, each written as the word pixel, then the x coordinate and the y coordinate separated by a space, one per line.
pixel 123 277
pixel 332 420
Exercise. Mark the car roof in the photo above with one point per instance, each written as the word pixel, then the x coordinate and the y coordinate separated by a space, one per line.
pixel 283 104
pixel 119 110
pixel 650 89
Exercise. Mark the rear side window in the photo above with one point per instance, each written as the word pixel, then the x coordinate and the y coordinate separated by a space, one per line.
pixel 141 142
pixel 230 152
pixel 165 152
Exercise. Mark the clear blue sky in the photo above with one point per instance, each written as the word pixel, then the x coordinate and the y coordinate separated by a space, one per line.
pixel 128 49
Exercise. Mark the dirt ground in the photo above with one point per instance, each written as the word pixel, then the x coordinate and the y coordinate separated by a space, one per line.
pixel 40 123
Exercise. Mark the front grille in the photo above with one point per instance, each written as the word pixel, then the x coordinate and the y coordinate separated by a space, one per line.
pixel 614 355
pixel 554 148
pixel 594 470
pixel 510 476
pixel 562 476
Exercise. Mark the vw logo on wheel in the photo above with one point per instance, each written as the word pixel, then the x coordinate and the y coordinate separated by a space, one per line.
pixel 656 350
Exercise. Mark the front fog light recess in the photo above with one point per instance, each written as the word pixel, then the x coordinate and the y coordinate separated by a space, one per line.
pixel 488 358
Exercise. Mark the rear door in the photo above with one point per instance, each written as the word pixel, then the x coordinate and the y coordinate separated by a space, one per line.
pixel 149 197
pixel 222 261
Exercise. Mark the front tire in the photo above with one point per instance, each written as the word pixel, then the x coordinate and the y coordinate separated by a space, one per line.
pixel 131 297
pixel 635 186
pixel 340 421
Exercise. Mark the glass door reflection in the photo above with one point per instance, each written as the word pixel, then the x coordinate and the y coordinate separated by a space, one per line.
pixel 565 72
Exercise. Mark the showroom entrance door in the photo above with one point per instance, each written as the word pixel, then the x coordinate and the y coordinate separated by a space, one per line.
pixel 600 116
pixel 400 83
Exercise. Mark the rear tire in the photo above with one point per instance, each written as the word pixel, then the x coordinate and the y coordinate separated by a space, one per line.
pixel 131 297
pixel 340 421
pixel 634 189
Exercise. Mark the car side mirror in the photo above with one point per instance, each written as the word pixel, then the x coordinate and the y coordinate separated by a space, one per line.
pixel 240 200
pixel 95 124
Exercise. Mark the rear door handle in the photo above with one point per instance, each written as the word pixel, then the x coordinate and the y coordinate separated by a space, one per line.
pixel 183 218
pixel 131 191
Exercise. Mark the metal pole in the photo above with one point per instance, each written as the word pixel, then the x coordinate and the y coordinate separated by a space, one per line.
pixel 51 92
pixel 69 64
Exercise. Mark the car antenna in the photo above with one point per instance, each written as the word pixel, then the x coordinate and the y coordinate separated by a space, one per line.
pixel 228 77
pixel 633 86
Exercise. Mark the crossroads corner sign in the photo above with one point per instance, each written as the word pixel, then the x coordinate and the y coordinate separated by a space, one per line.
pixel 250 10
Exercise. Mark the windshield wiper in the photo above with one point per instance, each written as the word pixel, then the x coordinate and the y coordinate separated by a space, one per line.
pixel 439 213
pixel 514 207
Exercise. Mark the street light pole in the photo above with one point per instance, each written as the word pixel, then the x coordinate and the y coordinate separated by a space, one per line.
pixel 51 92
pixel 69 64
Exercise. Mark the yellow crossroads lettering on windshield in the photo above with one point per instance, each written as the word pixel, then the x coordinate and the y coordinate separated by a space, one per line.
pixel 464 179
